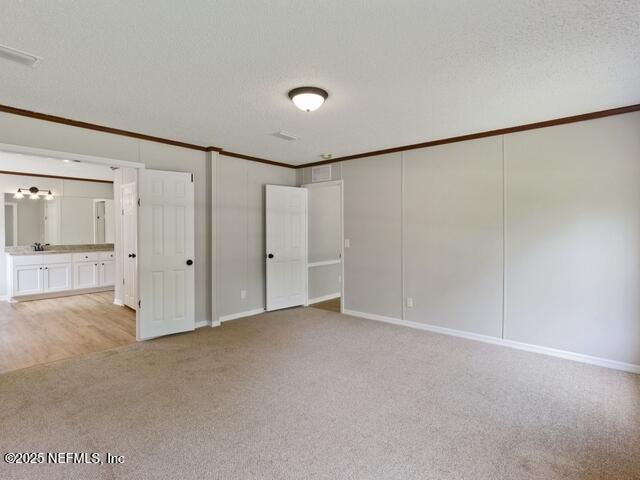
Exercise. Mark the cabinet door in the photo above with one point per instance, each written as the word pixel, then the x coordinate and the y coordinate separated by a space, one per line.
pixel 57 277
pixel 27 279
pixel 107 273
pixel 85 275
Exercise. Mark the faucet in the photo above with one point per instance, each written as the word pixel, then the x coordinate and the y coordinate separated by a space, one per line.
pixel 37 247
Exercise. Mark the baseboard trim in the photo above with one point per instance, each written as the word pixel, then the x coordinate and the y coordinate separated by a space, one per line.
pixel 62 293
pixel 235 316
pixel 323 298
pixel 203 323
pixel 577 357
pixel 118 302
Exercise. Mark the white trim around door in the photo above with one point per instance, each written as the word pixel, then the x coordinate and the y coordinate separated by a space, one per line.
pixel 340 260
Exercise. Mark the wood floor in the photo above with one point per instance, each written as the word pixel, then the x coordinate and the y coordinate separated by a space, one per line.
pixel 332 305
pixel 43 331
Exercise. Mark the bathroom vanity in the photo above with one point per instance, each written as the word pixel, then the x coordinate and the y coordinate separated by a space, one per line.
pixel 59 272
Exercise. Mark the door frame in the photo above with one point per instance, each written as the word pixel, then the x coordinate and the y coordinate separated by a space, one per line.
pixel 330 183
pixel 58 154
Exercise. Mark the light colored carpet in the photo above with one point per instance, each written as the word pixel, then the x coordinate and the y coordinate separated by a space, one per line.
pixel 306 393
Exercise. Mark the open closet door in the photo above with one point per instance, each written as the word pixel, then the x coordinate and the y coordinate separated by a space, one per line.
pixel 286 245
pixel 165 253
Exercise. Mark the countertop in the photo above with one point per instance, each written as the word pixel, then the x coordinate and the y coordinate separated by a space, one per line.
pixel 28 250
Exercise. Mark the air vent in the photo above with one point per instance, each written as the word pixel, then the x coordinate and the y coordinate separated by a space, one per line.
pixel 285 136
pixel 321 173
pixel 19 56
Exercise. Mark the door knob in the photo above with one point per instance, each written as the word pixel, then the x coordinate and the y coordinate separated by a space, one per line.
pixel 132 255
pixel 189 262
pixel 270 255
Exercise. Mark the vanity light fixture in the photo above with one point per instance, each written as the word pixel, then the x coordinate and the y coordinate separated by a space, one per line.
pixel 308 99
pixel 34 193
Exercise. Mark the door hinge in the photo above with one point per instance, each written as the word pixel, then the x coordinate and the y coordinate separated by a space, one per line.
pixel 192 178
pixel 139 303
pixel 138 202
pixel 123 281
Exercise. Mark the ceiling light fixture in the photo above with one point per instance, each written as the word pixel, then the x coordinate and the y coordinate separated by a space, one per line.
pixel 18 195
pixel 19 56
pixel 308 99
pixel 326 156
pixel 49 196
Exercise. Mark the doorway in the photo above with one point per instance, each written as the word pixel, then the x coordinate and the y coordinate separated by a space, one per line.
pixel 63 265
pixel 325 245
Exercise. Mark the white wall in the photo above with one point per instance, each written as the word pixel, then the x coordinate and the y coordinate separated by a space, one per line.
pixel 240 231
pixel 453 235
pixel 372 224
pixel 539 239
pixel 573 237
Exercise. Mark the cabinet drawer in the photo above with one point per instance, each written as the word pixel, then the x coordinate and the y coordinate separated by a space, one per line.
pixel 85 257
pixel 106 255
pixel 26 260
pixel 56 258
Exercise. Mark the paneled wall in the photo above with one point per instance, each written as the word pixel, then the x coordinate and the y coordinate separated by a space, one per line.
pixel 572 203
pixel 530 237
pixel 372 225
pixel 453 235
pixel 239 226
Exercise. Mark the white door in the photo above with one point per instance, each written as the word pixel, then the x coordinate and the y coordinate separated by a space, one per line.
pixel 57 277
pixel 99 223
pixel 107 273
pixel 129 199
pixel 27 279
pixel 85 274
pixel 52 221
pixel 166 277
pixel 286 244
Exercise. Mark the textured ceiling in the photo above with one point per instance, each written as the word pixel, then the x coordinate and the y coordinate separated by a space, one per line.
pixel 401 72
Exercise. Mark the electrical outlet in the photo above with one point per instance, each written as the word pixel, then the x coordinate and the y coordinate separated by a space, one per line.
pixel 243 294
pixel 409 302
pixel 347 243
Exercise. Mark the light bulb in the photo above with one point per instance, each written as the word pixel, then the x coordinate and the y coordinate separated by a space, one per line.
pixel 49 196
pixel 18 194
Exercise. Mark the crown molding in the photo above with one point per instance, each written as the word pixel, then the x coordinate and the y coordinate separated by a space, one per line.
pixel 221 151
pixel 489 133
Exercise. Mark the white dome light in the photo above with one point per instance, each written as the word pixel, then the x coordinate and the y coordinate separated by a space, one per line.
pixel 308 99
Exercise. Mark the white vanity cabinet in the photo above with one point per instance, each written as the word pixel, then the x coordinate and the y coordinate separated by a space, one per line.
pixel 107 269
pixel 85 270
pixel 48 273
pixel 27 279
